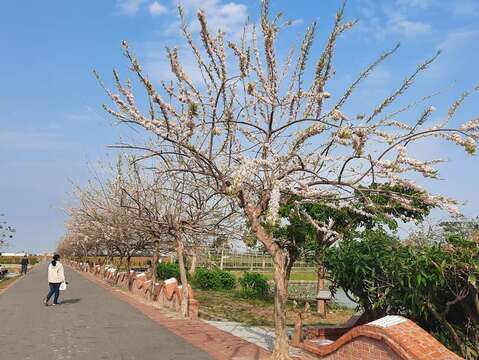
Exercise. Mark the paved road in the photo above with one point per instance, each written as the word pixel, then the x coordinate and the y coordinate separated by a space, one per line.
pixel 91 324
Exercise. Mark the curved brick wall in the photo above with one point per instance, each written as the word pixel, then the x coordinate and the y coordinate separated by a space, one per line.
pixel 392 337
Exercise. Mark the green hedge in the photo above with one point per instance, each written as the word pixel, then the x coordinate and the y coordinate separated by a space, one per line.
pixel 214 279
pixel 168 270
pixel 254 285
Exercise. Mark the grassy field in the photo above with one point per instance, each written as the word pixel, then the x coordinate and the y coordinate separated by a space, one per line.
pixel 12 268
pixel 229 305
pixel 17 259
pixel 307 276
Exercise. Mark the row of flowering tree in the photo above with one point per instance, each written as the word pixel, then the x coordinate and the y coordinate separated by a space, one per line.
pixel 134 211
pixel 258 132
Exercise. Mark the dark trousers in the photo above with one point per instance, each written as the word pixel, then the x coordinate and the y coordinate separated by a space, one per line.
pixel 54 290
pixel 24 269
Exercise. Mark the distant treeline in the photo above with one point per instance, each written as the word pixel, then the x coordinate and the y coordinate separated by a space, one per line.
pixel 17 259
pixel 120 263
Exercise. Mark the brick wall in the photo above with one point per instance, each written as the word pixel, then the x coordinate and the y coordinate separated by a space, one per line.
pixel 166 293
pixel 389 338
pixel 364 348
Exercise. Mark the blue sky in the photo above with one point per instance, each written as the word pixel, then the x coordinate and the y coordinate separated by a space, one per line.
pixel 52 124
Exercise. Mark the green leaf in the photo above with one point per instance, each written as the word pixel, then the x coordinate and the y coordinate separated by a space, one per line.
pixel 472 279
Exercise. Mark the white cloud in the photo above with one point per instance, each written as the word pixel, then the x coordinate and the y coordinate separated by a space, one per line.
pixel 406 27
pixel 395 19
pixel 229 17
pixel 381 75
pixel 32 139
pixel 129 7
pixel 457 58
pixel 457 40
pixel 157 65
pixel 155 8
pixel 466 7
pixel 297 22
pixel 422 4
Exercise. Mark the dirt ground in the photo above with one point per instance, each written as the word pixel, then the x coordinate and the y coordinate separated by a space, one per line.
pixel 229 305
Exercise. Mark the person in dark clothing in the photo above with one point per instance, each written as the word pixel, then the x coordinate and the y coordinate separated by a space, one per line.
pixel 24 263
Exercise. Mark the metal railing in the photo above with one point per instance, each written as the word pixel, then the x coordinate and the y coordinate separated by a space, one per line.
pixel 250 260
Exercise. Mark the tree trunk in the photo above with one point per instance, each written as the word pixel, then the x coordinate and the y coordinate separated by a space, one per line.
pixel 281 275
pixel 194 262
pixel 154 274
pixel 184 280
pixel 321 304
pixel 128 265
pixel 442 320
pixel 282 267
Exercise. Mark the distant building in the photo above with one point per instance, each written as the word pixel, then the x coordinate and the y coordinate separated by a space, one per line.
pixel 14 254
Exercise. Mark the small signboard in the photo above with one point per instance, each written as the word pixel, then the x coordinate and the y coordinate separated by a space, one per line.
pixel 324 295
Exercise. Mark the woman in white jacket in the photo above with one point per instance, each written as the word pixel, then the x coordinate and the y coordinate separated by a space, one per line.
pixel 56 276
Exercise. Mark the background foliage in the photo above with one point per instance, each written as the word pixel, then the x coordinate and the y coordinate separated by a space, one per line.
pixel 214 279
pixel 434 284
pixel 254 285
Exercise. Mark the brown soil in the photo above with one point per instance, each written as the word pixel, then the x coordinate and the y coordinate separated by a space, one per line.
pixel 231 306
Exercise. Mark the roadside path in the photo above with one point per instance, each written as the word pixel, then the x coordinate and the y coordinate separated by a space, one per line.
pixel 90 324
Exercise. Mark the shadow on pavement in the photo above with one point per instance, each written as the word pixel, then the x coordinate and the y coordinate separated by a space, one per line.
pixel 69 301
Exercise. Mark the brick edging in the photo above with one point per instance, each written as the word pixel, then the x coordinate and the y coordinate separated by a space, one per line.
pixel 217 343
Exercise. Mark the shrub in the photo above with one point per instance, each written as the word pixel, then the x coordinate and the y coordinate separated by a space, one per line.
pixel 207 279
pixel 228 281
pixel 433 284
pixel 254 285
pixel 214 279
pixel 168 270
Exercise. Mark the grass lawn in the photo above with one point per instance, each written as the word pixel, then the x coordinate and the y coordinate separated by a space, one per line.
pixel 229 305
pixel 310 276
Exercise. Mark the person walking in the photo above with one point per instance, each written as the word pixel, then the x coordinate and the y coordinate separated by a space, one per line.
pixel 24 263
pixel 56 276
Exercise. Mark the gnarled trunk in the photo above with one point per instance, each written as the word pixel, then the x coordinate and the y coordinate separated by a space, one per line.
pixel 154 274
pixel 183 278
pixel 130 278
pixel 282 268
pixel 321 304
pixel 194 262
pixel 281 276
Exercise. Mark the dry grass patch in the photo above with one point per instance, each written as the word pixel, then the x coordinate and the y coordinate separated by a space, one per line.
pixel 6 282
pixel 229 305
